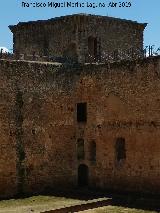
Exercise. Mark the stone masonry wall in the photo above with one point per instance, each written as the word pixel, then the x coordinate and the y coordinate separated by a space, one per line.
pixel 68 36
pixel 39 130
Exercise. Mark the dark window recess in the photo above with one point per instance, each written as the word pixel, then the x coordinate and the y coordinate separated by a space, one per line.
pixel 82 112
pixel 92 46
pixel 80 149
pixel 120 149
pixel 83 174
pixel 93 151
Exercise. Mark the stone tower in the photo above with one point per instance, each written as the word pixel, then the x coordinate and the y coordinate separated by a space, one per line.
pixel 78 37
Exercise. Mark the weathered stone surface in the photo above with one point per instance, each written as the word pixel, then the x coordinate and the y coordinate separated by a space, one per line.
pixel 76 36
pixel 39 129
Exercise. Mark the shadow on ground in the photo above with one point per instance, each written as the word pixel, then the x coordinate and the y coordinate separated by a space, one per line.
pixel 95 199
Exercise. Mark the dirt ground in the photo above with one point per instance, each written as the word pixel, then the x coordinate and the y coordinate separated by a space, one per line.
pixel 37 204
pixel 115 209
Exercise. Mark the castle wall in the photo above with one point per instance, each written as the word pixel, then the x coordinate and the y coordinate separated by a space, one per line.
pixel 111 35
pixel 40 133
pixel 43 39
pixel 8 179
pixel 39 129
pixel 68 36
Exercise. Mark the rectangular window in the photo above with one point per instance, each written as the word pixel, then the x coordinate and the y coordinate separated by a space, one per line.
pixel 120 149
pixel 82 112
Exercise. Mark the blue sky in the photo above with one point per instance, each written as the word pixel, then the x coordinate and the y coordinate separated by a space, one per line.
pixel 11 12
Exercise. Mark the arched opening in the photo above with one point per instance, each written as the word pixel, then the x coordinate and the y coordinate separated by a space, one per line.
pixel 83 175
